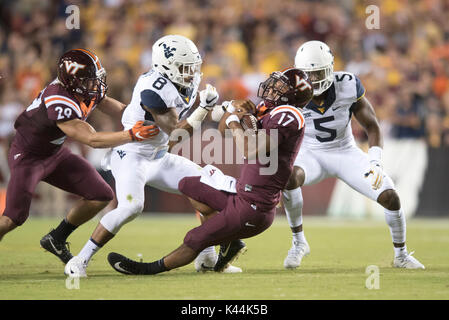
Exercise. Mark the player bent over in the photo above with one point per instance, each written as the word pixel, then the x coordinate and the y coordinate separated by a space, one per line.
pixel 329 150
pixel 251 210
pixel 163 95
pixel 37 154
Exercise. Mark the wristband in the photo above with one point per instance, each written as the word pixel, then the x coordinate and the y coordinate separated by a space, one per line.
pixel 232 118
pixel 375 153
pixel 197 117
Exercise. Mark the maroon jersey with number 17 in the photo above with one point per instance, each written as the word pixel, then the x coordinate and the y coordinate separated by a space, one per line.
pixel 36 128
pixel 264 190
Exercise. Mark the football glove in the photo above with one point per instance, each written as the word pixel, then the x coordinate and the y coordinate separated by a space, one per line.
pixel 208 97
pixel 376 171
pixel 143 130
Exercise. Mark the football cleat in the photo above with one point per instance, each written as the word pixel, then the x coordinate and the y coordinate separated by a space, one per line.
pixel 407 261
pixel 206 262
pixel 124 265
pixel 295 255
pixel 228 253
pixel 76 268
pixel 59 249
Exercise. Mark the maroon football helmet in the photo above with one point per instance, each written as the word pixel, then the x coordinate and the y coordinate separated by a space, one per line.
pixel 291 86
pixel 81 72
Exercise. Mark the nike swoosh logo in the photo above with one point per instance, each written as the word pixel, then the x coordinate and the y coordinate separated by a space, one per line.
pixel 249 224
pixel 56 250
pixel 333 109
pixel 17 155
pixel 139 136
pixel 209 101
pixel 206 267
pixel 226 251
pixel 117 266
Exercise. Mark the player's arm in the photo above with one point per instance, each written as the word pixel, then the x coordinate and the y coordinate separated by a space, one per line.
pixel 83 132
pixel 111 107
pixel 365 115
pixel 249 146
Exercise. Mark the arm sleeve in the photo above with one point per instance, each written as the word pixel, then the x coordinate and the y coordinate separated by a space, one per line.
pixel 285 123
pixel 60 108
pixel 152 100
pixel 360 89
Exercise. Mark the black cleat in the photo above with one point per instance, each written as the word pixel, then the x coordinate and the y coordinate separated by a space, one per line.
pixel 59 249
pixel 124 265
pixel 228 253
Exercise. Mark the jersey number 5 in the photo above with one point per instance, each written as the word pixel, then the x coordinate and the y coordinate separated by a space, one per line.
pixel 319 127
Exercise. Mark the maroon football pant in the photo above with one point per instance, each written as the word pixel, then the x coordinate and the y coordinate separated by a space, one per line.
pixel 63 170
pixel 236 218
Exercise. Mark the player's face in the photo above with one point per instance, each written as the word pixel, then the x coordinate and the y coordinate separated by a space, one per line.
pixel 189 72
pixel 272 89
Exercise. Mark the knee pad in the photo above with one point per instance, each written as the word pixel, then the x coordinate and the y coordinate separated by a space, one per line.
pixel 118 217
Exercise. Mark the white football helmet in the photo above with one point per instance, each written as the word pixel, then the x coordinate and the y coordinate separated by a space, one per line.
pixel 316 59
pixel 178 59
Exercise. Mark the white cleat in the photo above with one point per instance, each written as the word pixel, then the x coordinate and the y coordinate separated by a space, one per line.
pixel 206 262
pixel 295 255
pixel 232 269
pixel 407 261
pixel 76 268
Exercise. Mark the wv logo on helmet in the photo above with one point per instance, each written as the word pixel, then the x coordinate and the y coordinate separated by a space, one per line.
pixel 168 52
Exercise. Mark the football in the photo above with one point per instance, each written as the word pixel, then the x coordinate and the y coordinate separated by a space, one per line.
pixel 249 121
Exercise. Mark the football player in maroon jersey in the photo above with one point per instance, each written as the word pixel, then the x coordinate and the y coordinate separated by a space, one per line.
pixel 229 216
pixel 36 153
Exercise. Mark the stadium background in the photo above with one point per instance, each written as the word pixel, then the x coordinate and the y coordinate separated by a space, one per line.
pixel 404 66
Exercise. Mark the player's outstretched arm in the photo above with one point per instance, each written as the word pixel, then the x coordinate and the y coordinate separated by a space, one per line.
pixel 111 107
pixel 83 132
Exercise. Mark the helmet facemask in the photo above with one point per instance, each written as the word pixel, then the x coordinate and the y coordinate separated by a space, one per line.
pixel 93 88
pixel 321 79
pixel 272 89
pixel 188 75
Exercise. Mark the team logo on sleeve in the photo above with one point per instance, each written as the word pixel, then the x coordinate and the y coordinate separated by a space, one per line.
pixel 72 67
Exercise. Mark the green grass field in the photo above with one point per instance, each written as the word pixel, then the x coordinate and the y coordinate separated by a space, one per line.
pixel 340 253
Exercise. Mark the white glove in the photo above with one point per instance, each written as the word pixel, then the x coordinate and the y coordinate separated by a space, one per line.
pixel 219 110
pixel 376 171
pixel 208 97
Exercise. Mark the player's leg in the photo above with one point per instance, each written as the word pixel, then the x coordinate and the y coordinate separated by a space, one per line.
pixel 130 196
pixel 26 173
pixel 307 171
pixel 173 169
pixel 354 163
pixel 76 175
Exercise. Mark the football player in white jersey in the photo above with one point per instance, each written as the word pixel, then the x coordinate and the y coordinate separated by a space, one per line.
pixel 329 150
pixel 163 96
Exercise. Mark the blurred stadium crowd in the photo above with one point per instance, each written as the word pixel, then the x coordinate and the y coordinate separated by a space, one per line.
pixel 404 65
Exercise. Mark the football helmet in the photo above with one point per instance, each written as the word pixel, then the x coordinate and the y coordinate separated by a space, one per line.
pixel 316 59
pixel 291 86
pixel 177 58
pixel 80 72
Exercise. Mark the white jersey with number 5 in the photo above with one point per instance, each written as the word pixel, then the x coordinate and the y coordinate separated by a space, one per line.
pixel 155 92
pixel 329 126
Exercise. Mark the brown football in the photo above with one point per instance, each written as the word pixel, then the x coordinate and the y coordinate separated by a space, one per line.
pixel 249 121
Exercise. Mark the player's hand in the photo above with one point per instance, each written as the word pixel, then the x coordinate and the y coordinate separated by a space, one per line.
pixel 143 130
pixel 376 174
pixel 208 97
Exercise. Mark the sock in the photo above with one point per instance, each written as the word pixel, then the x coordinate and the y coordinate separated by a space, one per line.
pixel 154 267
pixel 62 232
pixel 396 223
pixel 400 251
pixel 89 249
pixel 293 203
pixel 298 238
